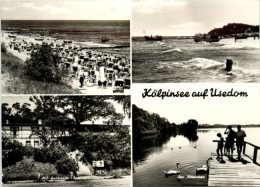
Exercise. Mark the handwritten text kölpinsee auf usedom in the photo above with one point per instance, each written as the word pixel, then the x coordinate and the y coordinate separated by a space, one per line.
pixel 212 92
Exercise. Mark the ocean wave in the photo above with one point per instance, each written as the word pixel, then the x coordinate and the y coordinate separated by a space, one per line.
pixel 202 63
pixel 217 69
pixel 160 43
pixel 241 46
pixel 97 45
pixel 171 50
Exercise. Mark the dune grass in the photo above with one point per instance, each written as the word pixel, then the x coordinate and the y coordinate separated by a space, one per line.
pixel 21 84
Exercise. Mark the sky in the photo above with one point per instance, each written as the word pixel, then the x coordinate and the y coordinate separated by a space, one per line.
pixel 65 9
pixel 188 17
pixel 211 110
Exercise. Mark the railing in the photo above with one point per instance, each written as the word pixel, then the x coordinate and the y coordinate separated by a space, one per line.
pixel 256 148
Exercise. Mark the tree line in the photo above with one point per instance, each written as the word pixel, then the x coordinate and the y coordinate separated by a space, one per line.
pixel 143 121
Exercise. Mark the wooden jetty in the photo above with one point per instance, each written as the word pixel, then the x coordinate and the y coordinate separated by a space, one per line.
pixel 235 173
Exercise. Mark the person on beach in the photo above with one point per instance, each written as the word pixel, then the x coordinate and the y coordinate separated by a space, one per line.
pixel 230 140
pixel 220 147
pixel 81 80
pixel 240 135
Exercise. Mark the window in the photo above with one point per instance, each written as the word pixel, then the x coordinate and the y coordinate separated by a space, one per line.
pixel 36 144
pixel 14 131
pixel 28 143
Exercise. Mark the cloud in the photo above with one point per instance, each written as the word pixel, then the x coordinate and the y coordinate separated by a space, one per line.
pixel 66 9
pixel 190 24
pixel 6 9
pixel 27 5
pixel 52 9
pixel 154 6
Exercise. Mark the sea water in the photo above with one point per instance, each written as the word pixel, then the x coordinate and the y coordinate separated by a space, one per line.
pixel 87 33
pixel 183 60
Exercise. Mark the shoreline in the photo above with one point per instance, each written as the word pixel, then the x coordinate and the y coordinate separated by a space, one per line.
pixel 89 87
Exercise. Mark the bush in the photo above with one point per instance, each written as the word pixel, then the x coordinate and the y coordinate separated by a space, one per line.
pixel 28 169
pixel 12 152
pixel 43 65
pixel 66 165
pixel 3 48
pixel 114 150
pixel 51 154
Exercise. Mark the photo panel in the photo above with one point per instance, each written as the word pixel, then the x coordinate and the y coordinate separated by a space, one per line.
pixel 65 47
pixel 196 134
pixel 55 139
pixel 193 41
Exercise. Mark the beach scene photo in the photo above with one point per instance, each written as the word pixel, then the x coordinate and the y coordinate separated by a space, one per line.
pixel 53 47
pixel 195 41
pixel 195 141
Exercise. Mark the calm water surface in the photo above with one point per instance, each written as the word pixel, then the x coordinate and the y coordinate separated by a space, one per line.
pixel 153 155
pixel 173 60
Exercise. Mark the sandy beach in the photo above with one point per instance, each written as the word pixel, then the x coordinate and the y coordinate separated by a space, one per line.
pixel 73 58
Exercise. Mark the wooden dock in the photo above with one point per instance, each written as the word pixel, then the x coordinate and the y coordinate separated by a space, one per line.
pixel 234 173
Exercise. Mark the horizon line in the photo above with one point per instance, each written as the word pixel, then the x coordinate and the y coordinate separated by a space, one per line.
pixel 65 19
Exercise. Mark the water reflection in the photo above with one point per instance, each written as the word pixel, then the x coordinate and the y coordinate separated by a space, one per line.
pixel 154 154
pixel 202 130
pixel 157 142
pixel 192 136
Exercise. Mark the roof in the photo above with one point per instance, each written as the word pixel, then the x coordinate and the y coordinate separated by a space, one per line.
pixel 21 124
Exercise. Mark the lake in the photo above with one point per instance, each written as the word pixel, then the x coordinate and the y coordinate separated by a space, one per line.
pixel 155 154
pixel 183 60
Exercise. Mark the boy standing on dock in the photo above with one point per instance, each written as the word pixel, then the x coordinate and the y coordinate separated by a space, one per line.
pixel 220 148
pixel 240 134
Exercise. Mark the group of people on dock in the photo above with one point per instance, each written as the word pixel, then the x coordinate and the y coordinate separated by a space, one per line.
pixel 230 141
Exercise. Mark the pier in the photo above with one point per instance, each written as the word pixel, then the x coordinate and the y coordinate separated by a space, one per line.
pixel 235 173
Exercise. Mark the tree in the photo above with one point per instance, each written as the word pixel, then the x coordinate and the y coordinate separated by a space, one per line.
pixel 44 134
pixel 43 65
pixel 6 112
pixel 86 108
pixel 17 113
pixel 65 165
pixel 115 150
pixel 3 48
pixel 12 152
pixel 125 101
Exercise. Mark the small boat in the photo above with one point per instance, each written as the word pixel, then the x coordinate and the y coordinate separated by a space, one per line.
pixel 104 39
pixel 206 38
pixel 153 38
pixel 212 38
pixel 199 37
